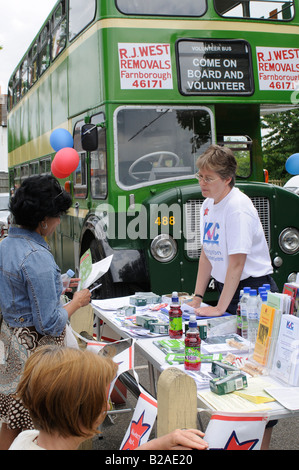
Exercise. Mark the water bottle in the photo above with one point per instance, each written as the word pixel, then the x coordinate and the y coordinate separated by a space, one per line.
pixel 238 313
pixel 243 309
pixel 175 318
pixel 66 278
pixel 192 346
pixel 252 315
pixel 267 287
pixel 261 293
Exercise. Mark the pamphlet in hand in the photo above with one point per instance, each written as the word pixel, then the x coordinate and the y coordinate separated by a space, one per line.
pixel 91 272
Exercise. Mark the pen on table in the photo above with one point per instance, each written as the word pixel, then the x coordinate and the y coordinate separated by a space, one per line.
pixel 95 287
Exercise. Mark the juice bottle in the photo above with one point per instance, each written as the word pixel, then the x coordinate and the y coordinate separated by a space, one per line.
pixel 175 318
pixel 192 346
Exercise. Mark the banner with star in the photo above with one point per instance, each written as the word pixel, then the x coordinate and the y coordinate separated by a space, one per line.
pixel 142 422
pixel 235 431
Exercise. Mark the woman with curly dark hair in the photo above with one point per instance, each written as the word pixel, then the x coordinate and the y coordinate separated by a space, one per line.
pixel 31 287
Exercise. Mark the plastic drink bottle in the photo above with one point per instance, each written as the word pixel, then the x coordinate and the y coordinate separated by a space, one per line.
pixel 175 318
pixel 192 346
pixel 243 309
pixel 264 298
pixel 66 278
pixel 260 300
pixel 252 315
pixel 238 313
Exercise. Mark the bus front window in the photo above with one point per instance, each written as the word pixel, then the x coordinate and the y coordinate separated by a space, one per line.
pixel 155 144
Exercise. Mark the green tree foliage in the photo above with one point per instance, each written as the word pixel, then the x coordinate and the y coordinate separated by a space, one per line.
pixel 280 141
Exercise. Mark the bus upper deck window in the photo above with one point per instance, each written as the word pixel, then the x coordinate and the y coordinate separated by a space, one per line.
pixel 44 49
pixel 158 8
pixel 80 15
pixel 24 73
pixel 256 9
pixel 59 28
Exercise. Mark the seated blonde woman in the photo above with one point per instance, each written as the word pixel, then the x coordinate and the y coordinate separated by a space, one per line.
pixel 65 391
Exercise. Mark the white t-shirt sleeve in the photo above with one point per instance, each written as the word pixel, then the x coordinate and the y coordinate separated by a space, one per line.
pixel 240 230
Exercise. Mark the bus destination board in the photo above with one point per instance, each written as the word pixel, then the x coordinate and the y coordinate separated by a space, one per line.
pixel 212 67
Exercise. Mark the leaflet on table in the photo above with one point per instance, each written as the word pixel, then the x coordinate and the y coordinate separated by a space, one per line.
pixel 234 401
pixel 128 323
pixel 210 346
pixel 112 304
pixel 225 344
pixel 188 310
pixel 286 396
pixel 292 290
pixel 264 336
pixel 129 326
pixel 286 360
pixel 117 303
pixel 280 302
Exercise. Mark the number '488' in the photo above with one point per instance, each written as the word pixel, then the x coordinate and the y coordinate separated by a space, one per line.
pixel 165 220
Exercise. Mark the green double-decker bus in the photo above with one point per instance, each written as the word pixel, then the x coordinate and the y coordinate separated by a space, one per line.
pixel 145 87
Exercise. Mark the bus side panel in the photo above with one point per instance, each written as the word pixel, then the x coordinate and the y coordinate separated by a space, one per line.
pixel 84 76
pixel 45 112
pixel 34 119
pixel 59 95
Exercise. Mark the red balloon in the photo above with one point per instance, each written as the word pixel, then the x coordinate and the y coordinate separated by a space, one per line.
pixel 66 161
pixel 57 173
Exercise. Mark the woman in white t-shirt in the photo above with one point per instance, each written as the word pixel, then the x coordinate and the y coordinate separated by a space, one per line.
pixel 234 249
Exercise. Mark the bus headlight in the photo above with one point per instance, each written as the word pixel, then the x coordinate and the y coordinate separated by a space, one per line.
pixel 289 240
pixel 163 248
pixel 292 277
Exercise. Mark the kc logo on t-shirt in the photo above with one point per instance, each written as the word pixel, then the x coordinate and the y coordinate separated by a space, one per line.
pixel 211 234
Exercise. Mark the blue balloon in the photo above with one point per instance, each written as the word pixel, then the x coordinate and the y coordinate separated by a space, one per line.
pixel 61 138
pixel 292 164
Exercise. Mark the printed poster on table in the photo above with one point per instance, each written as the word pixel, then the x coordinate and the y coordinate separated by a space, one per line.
pixel 145 66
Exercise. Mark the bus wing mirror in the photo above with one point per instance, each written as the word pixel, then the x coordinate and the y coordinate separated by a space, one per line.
pixel 89 137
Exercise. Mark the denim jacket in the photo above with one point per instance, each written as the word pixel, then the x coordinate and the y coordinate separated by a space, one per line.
pixel 30 283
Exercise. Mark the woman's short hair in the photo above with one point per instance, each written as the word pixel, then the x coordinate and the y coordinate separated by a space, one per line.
pixel 65 389
pixel 221 160
pixel 39 197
